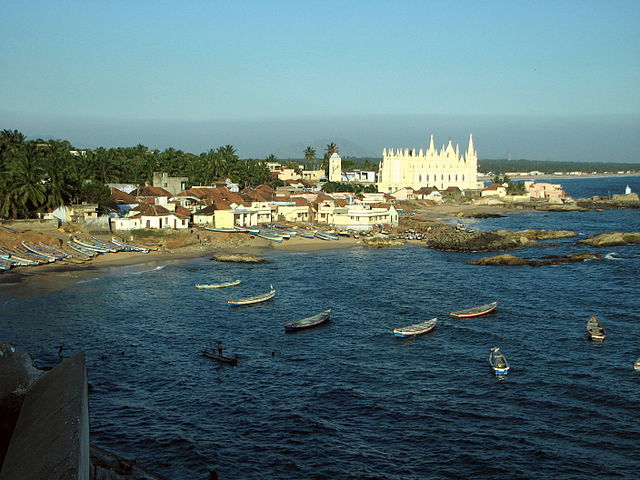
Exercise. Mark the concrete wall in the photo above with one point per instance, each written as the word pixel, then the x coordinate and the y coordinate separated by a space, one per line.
pixel 31 224
pixel 51 437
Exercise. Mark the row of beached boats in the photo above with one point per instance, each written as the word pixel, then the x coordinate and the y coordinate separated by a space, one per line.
pixel 76 250
pixel 279 233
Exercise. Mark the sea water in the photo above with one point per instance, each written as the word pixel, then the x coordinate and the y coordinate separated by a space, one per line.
pixel 350 400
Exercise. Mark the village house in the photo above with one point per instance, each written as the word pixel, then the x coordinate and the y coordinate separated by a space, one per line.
pixel 296 210
pixel 222 214
pixel 362 217
pixel 373 198
pixel 403 194
pixel 494 190
pixel 173 185
pixel 429 193
pixel 546 191
pixel 153 217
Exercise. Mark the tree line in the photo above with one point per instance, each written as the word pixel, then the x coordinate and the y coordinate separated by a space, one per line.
pixel 37 175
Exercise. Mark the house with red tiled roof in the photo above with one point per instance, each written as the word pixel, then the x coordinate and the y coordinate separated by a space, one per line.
pixel 151 192
pixel 121 201
pixel 296 209
pixel 153 217
pixel 429 193
pixel 223 214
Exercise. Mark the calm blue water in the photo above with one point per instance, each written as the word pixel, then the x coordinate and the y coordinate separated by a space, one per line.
pixel 349 400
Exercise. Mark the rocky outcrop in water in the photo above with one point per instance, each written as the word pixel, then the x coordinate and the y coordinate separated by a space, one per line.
pixel 630 200
pixel 512 260
pixel 611 239
pixel 532 236
pixel 238 258
pixel 450 239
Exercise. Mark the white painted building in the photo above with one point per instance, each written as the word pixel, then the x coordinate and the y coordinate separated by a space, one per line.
pixel 429 168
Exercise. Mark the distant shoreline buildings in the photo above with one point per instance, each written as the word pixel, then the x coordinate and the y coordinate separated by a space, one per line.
pixel 441 168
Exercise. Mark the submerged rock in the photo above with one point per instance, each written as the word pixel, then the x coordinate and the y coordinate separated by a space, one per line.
pixel 611 239
pixel 238 258
pixel 382 241
pixel 512 260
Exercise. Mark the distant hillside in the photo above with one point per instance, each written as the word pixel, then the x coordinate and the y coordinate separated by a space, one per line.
pixel 503 165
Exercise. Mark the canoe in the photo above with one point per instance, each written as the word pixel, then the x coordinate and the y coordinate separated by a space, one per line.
pixel 222 230
pixel 255 299
pixel 474 311
pixel 221 358
pixel 595 331
pixel 498 362
pixel 308 322
pixel 268 235
pixel 416 328
pixel 218 285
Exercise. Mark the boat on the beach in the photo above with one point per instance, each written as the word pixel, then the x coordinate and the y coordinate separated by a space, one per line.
pixel 218 285
pixel 270 235
pixel 254 299
pixel 221 358
pixel 222 230
pixel 498 362
pixel 308 322
pixel 474 311
pixel 416 328
pixel 595 331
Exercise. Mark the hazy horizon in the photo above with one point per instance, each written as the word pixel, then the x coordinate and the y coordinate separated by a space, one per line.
pixel 545 80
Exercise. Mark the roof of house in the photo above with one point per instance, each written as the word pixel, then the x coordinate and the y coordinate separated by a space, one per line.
pixel 149 191
pixel 493 186
pixel 118 197
pixel 427 190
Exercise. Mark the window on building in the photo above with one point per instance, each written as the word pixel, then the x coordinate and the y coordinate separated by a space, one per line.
pixel 420 178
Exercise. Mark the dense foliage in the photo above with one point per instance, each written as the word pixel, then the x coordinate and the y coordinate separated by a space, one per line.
pixel 37 175
pixel 331 187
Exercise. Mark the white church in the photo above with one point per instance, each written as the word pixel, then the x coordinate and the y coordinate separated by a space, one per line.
pixel 441 168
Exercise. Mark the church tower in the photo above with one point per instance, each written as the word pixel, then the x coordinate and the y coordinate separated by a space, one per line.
pixel 335 167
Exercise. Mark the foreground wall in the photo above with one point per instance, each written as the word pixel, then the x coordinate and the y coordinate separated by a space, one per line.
pixel 51 436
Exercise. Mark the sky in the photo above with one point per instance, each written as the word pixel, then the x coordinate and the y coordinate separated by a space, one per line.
pixel 547 80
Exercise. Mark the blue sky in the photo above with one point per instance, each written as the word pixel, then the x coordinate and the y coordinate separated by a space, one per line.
pixel 556 80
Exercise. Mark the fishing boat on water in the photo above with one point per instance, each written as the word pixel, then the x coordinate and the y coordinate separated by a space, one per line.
pixel 221 358
pixel 255 299
pixel 498 362
pixel 636 365
pixel 416 328
pixel 595 331
pixel 312 321
pixel 218 285
pixel 474 311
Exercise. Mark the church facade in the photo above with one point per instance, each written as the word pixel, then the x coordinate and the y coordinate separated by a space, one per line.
pixel 441 168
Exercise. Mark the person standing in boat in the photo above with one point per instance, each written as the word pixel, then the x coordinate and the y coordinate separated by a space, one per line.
pixel 219 347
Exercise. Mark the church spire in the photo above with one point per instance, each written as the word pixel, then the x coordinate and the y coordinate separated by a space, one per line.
pixel 470 151
pixel 432 147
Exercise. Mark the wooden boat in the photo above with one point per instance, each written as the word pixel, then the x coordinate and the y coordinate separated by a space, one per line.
pixel 498 362
pixel 636 365
pixel 416 328
pixel 474 311
pixel 221 358
pixel 255 299
pixel 222 230
pixel 218 285
pixel 308 322
pixel 595 331
pixel 269 235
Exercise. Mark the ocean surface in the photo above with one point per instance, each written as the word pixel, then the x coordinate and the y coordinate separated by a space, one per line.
pixel 348 400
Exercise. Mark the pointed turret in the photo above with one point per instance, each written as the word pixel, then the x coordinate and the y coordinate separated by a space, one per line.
pixel 471 153
pixel 432 147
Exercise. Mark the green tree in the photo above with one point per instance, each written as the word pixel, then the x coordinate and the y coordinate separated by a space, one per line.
pixel 309 154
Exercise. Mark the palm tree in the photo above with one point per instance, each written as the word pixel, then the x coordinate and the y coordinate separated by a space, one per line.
pixel 309 154
pixel 28 182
